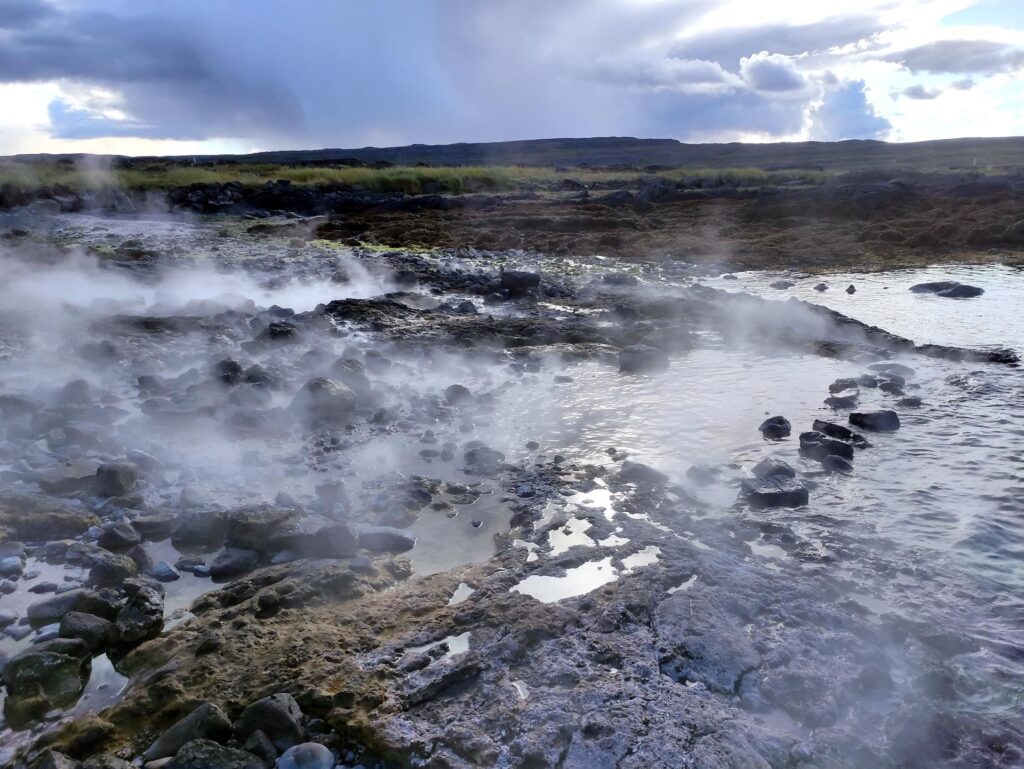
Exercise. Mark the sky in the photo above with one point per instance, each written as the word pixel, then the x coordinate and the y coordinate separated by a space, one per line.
pixel 144 77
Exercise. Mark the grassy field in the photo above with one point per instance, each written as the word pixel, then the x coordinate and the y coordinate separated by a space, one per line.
pixel 396 179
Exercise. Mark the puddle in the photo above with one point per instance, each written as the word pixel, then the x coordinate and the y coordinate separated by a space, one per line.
pixel 462 592
pixel 646 557
pixel 572 534
pixel 457 644
pixel 521 689
pixel 683 586
pixel 577 581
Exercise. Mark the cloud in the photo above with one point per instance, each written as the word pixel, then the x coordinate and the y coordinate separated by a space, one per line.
pixel 685 75
pixel 920 93
pixel 17 14
pixel 729 46
pixel 846 114
pixel 771 72
pixel 963 84
pixel 983 57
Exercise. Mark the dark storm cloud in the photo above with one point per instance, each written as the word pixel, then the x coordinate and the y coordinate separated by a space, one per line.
pixel 18 14
pixel 982 57
pixel 323 73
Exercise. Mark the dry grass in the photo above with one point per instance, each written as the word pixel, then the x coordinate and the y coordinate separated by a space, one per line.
pixel 412 180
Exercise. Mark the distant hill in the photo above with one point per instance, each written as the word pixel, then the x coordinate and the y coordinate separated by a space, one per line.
pixel 605 152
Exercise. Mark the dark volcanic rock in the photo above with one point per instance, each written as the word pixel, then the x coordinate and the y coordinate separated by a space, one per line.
pixel 772 468
pixel 205 754
pixel 775 427
pixel 642 359
pixel 45 675
pixel 141 618
pixel 385 539
pixel 836 464
pixel 88 627
pixel 774 491
pixel 119 536
pixel 308 755
pixel 232 561
pixel 277 716
pixel 205 722
pixel 818 445
pixel 950 289
pixel 323 400
pixel 641 474
pixel 115 479
pixel 883 421
pixel 519 281
pixel 313 536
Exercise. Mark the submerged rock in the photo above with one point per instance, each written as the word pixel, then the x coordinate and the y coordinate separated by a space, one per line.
pixel 641 474
pixel 836 464
pixel 772 468
pixel 642 359
pixel 883 421
pixel 385 539
pixel 45 675
pixel 818 445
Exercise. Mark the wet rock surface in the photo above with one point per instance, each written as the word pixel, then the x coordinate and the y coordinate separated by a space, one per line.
pixel 449 538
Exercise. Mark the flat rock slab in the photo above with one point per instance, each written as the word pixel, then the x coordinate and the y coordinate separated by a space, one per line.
pixel 775 491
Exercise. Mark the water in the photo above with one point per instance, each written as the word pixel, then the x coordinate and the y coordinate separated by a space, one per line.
pixel 930 526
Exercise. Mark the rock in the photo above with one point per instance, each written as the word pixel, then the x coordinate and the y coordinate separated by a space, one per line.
pixel 199 528
pixel 851 289
pixel 51 759
pixel 772 468
pixel 35 518
pixel 702 475
pixel 821 287
pixel 836 464
pixel 308 755
pixel 93 630
pixel 912 402
pixel 205 754
pixel 843 384
pixel 323 400
pixel 883 421
pixel 277 716
pixel 484 459
pixel 775 428
pixel 774 491
pixel 206 722
pixel 154 525
pixel 260 746
pixel 105 761
pixel 80 600
pixel 818 445
pixel 7 617
pixel 141 618
pixel 109 568
pixel 950 289
pixel 119 536
pixel 519 281
pixel 12 566
pixel 897 369
pixel 642 359
pixel 833 430
pixel 115 479
pixel 232 561
pixel 385 539
pixel 457 394
pixel 164 572
pixel 781 284
pixel 314 537
pixel 250 527
pixel 841 401
pixel 641 474
pixel 44 676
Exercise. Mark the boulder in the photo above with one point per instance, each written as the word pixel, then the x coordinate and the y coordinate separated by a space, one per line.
pixel 115 479
pixel 206 722
pixel 775 427
pixel 818 446
pixel 34 518
pixel 774 491
pixel 232 561
pixel 484 459
pixel 314 537
pixel 841 401
pixel 772 468
pixel 519 281
pixel 206 754
pixel 883 421
pixel 833 430
pixel 141 618
pixel 120 535
pixel 308 755
pixel 385 539
pixel 641 474
pixel 277 716
pixel 44 676
pixel 781 284
pixel 250 527
pixel 199 528
pixel 836 464
pixel 323 400
pixel 79 599
pixel 93 630
pixel 642 359
pixel 950 289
